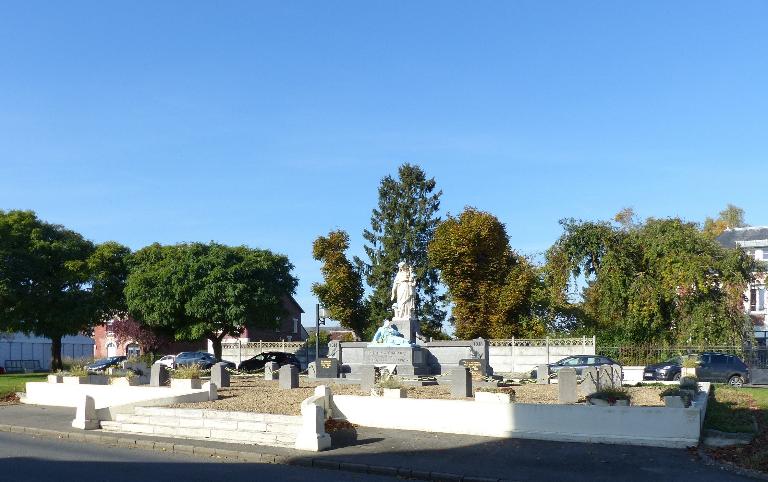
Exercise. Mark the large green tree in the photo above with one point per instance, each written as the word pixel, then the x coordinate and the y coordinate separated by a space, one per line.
pixel 730 217
pixel 402 225
pixel 342 292
pixel 491 287
pixel 660 282
pixel 208 291
pixel 54 282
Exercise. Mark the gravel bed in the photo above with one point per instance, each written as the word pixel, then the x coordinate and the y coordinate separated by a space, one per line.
pixel 254 394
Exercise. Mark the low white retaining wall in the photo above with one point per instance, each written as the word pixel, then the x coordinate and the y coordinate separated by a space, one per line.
pixel 71 395
pixel 653 426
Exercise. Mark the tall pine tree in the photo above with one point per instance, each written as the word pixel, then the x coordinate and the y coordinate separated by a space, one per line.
pixel 402 226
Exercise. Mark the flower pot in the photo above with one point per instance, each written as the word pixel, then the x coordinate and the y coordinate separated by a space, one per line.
pixel 71 380
pixel 186 383
pixel 395 392
pixel 599 402
pixel 98 379
pixel 687 372
pixel 674 402
pixel 54 378
pixel 125 382
pixel 494 397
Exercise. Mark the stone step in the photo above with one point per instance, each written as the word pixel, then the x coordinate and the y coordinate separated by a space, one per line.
pixel 190 413
pixel 218 435
pixel 209 423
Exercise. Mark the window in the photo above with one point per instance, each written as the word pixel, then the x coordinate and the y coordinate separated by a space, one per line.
pixel 132 350
pixel 752 299
pixel 570 362
pixel 719 360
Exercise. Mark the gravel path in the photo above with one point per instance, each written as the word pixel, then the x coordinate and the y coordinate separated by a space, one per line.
pixel 254 394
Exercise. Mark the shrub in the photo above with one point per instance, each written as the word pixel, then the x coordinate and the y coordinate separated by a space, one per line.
pixel 189 371
pixel 689 383
pixel 611 395
pixel 677 392
pixel 690 361
pixel 77 371
pixel 390 381
pixel 507 390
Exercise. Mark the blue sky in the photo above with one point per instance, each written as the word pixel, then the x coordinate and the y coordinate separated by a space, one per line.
pixel 269 123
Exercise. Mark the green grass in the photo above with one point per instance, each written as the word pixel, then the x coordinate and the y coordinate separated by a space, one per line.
pixel 16 382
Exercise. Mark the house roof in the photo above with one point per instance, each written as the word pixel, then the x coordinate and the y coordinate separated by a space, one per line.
pixel 291 300
pixel 749 237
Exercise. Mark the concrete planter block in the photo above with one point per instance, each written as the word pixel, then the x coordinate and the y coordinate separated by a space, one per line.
pixel 674 402
pixel 70 380
pixel 98 379
pixel 687 372
pixel 186 383
pixel 54 378
pixel 604 403
pixel 125 382
pixel 493 397
pixel 394 392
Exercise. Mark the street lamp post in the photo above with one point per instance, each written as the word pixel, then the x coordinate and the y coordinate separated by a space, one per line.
pixel 319 320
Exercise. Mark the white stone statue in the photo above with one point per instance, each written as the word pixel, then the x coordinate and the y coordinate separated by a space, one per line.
pixel 404 292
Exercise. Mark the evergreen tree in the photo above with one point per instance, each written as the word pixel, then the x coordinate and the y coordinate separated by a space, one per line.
pixel 402 227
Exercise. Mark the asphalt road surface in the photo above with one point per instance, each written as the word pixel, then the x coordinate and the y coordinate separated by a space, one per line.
pixel 27 458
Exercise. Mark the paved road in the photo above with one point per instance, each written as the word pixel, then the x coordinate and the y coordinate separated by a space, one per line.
pixel 26 458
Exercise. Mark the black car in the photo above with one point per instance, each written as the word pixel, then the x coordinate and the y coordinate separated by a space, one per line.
pixel 104 363
pixel 579 362
pixel 713 367
pixel 258 362
pixel 203 359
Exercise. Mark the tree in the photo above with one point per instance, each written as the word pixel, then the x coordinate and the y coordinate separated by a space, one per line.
pixel 210 290
pixel 489 284
pixel 54 282
pixel 662 282
pixel 402 226
pixel 127 329
pixel 342 292
pixel 730 217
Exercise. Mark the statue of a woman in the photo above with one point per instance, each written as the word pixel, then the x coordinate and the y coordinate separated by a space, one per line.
pixel 404 291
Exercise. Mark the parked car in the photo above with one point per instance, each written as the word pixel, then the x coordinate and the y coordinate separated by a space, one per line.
pixel 203 359
pixel 104 363
pixel 713 367
pixel 258 362
pixel 168 360
pixel 579 362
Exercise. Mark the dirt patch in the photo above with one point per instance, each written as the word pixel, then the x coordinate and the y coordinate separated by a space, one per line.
pixel 9 399
pixel 254 394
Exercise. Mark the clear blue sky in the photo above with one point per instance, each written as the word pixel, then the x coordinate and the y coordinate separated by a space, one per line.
pixel 269 123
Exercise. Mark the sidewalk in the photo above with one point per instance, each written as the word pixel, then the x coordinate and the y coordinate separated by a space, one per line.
pixel 418 455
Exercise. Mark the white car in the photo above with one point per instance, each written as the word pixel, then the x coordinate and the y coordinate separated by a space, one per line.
pixel 168 360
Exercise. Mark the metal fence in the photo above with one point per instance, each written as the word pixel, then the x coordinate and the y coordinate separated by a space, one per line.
pixel 648 355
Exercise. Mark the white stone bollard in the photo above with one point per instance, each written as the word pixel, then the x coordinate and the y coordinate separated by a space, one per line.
pixel 85 417
pixel 312 435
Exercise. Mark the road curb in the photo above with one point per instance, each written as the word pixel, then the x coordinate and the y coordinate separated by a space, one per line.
pixel 245 456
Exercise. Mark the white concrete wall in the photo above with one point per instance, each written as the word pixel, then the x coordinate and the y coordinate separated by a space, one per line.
pixel 70 395
pixel 517 359
pixel 653 426
pixel 18 346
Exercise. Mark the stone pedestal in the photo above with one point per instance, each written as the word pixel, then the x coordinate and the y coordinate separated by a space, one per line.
pixel 409 327
pixel 461 383
pixel 567 386
pixel 271 371
pixel 367 378
pixel 220 375
pixel 159 376
pixel 289 377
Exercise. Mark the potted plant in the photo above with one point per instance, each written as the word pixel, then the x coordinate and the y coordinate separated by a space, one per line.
pixel 186 377
pixel 129 379
pixel 392 387
pixel 674 397
pixel 689 365
pixel 609 397
pixel 55 377
pixel 494 394
pixel 76 375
